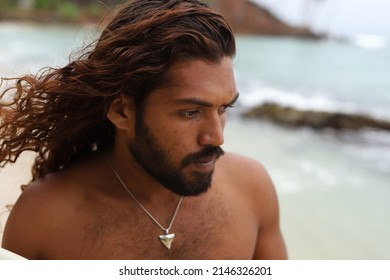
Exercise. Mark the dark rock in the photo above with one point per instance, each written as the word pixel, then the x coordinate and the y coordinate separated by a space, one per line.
pixel 315 119
pixel 246 17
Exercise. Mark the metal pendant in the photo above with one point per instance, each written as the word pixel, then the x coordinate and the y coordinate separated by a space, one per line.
pixel 166 239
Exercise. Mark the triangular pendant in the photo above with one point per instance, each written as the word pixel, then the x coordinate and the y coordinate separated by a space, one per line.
pixel 167 239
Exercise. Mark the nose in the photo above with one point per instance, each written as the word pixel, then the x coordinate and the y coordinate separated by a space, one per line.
pixel 212 131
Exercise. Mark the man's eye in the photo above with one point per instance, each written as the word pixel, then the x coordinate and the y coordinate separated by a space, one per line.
pixel 189 114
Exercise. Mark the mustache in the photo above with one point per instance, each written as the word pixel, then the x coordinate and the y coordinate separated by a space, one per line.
pixel 205 154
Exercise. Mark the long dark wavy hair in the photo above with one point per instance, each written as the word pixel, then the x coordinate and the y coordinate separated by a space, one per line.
pixel 61 113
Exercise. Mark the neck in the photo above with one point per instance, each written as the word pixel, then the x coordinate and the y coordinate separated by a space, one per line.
pixel 140 183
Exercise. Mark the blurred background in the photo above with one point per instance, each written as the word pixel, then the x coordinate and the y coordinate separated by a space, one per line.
pixel 314 79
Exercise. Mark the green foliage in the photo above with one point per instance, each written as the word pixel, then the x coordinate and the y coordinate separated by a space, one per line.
pixel 95 9
pixel 68 10
pixel 45 4
pixel 8 4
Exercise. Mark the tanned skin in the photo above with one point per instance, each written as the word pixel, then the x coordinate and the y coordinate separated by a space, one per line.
pixel 83 211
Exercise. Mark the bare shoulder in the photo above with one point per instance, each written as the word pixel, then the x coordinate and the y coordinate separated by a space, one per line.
pixel 57 205
pixel 52 206
pixel 36 213
pixel 249 180
pixel 246 171
pixel 241 163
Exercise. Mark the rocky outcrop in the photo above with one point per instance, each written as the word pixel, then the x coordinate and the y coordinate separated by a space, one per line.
pixel 315 119
pixel 247 17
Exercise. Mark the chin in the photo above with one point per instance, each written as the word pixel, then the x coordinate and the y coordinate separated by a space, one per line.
pixel 199 184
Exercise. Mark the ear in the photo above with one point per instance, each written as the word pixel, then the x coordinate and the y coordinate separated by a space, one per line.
pixel 122 112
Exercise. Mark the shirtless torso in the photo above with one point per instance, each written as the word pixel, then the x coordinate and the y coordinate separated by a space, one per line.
pixel 151 97
pixel 85 213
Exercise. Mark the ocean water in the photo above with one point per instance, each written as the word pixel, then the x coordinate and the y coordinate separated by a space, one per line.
pixel 330 75
pixel 333 187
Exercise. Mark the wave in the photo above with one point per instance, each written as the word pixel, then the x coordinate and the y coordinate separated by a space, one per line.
pixel 368 41
pixel 255 93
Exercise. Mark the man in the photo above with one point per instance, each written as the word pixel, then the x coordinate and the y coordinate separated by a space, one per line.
pixel 129 163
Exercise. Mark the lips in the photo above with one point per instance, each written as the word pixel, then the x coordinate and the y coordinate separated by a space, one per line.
pixel 205 165
pixel 204 159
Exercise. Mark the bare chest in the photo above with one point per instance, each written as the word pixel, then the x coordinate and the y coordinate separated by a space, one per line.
pixel 201 232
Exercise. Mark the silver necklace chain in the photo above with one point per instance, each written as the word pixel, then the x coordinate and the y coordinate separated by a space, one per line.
pixel 166 230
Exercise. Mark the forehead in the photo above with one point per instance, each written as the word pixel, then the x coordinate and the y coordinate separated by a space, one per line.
pixel 213 82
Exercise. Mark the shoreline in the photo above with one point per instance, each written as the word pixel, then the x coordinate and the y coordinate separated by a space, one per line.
pixel 261 21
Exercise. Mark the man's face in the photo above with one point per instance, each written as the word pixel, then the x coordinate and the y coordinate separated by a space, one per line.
pixel 178 137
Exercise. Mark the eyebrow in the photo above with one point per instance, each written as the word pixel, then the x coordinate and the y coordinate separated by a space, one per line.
pixel 200 102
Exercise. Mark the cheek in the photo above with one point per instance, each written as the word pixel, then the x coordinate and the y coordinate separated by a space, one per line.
pixel 176 137
pixel 179 141
pixel 176 141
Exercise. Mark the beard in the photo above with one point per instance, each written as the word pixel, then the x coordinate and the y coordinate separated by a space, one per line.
pixel 155 160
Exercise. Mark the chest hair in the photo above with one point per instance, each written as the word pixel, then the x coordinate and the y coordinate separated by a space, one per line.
pixel 121 233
